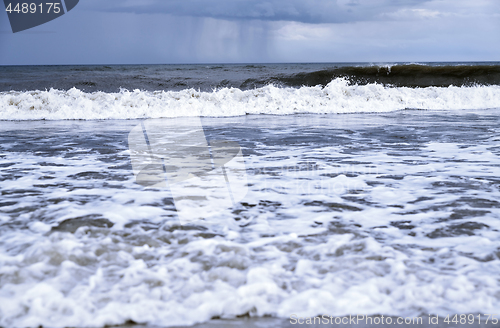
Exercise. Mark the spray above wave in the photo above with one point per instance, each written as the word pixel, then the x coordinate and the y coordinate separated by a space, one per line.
pixel 338 96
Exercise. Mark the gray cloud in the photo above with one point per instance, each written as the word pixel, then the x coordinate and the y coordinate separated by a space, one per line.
pixel 306 11
pixel 169 31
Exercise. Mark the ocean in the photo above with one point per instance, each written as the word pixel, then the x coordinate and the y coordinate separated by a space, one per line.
pixel 261 195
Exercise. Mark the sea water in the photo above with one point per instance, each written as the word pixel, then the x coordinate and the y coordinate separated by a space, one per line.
pixel 391 208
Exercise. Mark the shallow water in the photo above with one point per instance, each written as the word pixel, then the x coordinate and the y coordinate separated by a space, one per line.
pixel 393 214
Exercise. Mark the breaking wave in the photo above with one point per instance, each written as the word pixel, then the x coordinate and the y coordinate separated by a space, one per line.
pixel 338 96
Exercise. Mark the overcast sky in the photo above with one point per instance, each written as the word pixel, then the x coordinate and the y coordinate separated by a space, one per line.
pixel 253 31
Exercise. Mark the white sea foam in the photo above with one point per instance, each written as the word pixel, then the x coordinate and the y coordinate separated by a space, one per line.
pixel 337 97
pixel 334 252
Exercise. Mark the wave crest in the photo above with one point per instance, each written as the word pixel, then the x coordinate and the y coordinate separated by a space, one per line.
pixel 338 96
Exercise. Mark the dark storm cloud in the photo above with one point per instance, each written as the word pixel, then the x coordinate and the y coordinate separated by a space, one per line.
pixel 244 31
pixel 306 11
